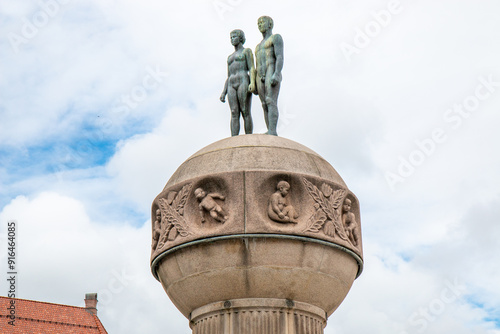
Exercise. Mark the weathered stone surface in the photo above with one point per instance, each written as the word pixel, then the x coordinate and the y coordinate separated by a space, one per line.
pixel 255 152
pixel 256 216
pixel 257 268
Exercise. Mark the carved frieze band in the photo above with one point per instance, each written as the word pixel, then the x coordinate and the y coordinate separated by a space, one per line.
pixel 294 205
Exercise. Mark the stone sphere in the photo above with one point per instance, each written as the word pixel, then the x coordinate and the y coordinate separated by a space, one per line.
pixel 256 216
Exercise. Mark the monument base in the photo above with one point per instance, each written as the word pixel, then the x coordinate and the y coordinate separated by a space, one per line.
pixel 258 315
pixel 256 234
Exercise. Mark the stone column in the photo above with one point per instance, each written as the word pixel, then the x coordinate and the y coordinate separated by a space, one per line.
pixel 259 316
pixel 256 234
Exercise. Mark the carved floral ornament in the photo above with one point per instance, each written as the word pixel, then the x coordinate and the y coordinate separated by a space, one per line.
pixel 329 216
pixel 170 222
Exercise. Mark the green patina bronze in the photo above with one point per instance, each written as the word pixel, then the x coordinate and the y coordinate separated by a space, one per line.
pixel 240 83
pixel 243 78
pixel 269 59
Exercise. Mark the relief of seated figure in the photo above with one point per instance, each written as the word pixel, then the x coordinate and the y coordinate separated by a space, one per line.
pixel 279 208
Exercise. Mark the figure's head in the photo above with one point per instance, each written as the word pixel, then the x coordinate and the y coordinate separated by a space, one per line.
pixel 265 23
pixel 237 36
pixel 158 213
pixel 283 187
pixel 347 205
pixel 199 193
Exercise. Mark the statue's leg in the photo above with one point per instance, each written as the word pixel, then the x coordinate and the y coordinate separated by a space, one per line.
pixel 232 98
pixel 290 212
pixel 244 100
pixel 271 99
pixel 249 121
pixel 214 214
pixel 261 89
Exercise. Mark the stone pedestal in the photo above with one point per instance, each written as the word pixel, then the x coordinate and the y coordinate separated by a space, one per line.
pixel 256 234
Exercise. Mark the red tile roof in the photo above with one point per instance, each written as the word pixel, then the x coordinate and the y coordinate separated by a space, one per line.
pixel 34 317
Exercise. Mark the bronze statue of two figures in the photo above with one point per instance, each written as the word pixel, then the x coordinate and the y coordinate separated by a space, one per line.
pixel 264 79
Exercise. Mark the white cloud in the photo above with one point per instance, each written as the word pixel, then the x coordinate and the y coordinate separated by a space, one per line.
pixel 79 228
pixel 62 255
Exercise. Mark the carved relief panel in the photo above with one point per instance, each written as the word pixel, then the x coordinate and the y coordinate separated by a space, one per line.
pixel 302 205
pixel 196 209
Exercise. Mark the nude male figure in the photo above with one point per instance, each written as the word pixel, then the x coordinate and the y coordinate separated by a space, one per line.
pixel 240 83
pixel 269 60
pixel 279 209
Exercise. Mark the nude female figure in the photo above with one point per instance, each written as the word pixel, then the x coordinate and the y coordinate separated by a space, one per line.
pixel 240 83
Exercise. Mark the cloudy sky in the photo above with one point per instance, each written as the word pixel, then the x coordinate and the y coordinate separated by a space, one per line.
pixel 101 100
